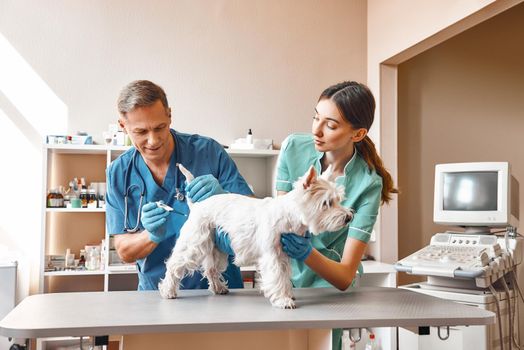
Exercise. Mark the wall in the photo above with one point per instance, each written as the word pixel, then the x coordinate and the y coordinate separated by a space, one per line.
pixel 399 30
pixel 226 65
pixel 460 101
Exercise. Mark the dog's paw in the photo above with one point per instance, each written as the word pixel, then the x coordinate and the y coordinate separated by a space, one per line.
pixel 219 290
pixel 284 303
pixel 166 292
pixel 223 291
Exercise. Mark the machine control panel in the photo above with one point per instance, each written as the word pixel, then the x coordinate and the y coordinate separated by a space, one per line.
pixel 453 255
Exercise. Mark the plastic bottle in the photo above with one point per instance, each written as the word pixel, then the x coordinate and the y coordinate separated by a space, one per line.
pixel 69 259
pixel 249 137
pixel 371 344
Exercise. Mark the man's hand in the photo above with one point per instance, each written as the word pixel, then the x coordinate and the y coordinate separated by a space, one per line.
pixel 295 246
pixel 154 220
pixel 203 187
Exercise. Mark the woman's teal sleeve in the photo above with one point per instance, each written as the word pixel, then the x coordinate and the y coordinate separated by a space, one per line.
pixel 284 181
pixel 366 214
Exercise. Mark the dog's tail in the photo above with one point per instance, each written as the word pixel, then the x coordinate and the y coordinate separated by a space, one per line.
pixel 189 177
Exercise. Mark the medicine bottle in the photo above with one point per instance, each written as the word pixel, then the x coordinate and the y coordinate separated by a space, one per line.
pixel 84 197
pixel 55 199
pixel 82 261
pixel 371 344
pixel 91 198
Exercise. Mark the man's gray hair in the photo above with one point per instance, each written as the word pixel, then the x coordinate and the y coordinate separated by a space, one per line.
pixel 140 93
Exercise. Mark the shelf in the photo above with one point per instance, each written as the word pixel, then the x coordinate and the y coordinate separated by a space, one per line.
pixel 122 269
pixel 102 149
pixel 118 148
pixel 74 273
pixel 76 149
pixel 253 153
pixel 76 210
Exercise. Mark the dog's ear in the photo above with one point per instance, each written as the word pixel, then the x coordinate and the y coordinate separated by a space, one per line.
pixel 309 177
pixel 328 173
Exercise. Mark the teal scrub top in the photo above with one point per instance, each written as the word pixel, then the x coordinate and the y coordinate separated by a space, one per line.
pixel 129 172
pixel 363 189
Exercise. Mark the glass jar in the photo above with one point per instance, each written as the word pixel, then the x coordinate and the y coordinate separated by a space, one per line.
pixel 93 257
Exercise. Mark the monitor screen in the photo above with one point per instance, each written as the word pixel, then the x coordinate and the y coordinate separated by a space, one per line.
pixel 477 195
pixel 470 191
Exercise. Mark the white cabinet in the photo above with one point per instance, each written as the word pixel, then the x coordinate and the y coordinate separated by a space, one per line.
pixel 75 228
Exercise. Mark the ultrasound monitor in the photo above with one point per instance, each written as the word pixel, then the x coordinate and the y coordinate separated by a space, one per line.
pixel 477 196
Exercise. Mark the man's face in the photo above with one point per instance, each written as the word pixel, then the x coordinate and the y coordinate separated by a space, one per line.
pixel 148 128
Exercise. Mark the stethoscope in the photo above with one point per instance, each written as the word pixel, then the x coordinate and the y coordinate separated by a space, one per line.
pixel 179 196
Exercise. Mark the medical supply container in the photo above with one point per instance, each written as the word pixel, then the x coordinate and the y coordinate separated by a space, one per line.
pixel 84 197
pixel 91 198
pixel 55 199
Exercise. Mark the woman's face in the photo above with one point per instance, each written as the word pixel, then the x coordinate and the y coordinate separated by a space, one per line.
pixel 330 130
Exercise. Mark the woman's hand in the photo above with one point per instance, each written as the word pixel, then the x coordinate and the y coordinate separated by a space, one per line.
pixel 295 246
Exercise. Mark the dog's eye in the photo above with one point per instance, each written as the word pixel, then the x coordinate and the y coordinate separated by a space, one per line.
pixel 327 204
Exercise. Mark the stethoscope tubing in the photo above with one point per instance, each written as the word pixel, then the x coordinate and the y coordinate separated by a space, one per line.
pixel 128 189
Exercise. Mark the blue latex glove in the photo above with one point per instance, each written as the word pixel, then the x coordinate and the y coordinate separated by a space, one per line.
pixel 295 246
pixel 154 220
pixel 222 242
pixel 203 187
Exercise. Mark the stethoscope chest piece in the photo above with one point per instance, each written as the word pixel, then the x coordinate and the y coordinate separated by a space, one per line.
pixel 179 196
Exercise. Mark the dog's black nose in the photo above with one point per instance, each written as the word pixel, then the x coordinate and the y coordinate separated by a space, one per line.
pixel 348 218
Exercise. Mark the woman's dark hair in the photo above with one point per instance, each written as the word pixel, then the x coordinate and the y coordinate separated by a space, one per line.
pixel 357 105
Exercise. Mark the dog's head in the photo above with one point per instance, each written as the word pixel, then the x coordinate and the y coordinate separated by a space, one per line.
pixel 319 202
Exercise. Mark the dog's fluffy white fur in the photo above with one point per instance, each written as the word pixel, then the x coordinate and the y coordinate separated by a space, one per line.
pixel 254 227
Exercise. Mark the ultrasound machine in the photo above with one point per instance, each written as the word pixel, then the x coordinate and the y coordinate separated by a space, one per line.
pixel 481 265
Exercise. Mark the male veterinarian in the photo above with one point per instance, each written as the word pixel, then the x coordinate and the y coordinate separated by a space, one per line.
pixel 147 173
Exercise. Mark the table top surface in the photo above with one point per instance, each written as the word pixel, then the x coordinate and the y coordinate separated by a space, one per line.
pixel 104 313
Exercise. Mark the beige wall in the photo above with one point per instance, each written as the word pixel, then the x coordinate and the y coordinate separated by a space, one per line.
pixel 460 101
pixel 397 25
pixel 226 65
pixel 399 30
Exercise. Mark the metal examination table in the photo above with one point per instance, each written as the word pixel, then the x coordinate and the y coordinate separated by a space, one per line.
pixel 243 319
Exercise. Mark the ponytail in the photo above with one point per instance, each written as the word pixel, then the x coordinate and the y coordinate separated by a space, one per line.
pixel 367 150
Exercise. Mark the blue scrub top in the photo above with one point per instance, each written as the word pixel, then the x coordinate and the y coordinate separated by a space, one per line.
pixel 200 155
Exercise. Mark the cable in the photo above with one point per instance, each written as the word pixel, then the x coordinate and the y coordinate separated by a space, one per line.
pixel 510 320
pixel 499 316
pixel 515 295
pixel 514 274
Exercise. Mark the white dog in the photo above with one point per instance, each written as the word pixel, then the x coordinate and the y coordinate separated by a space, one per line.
pixel 254 227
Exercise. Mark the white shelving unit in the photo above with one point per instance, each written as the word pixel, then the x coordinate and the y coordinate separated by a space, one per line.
pixel 76 227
